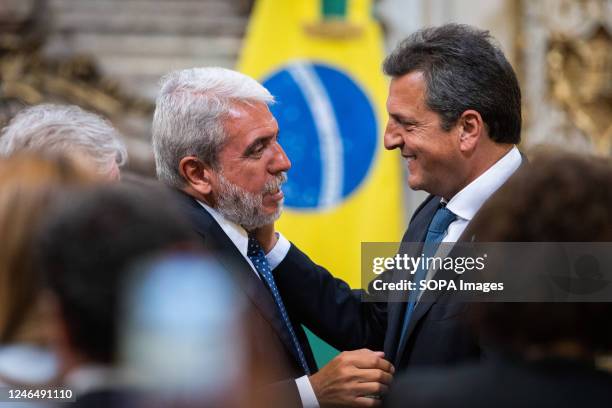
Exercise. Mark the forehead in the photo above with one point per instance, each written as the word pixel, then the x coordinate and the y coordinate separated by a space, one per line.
pixel 246 122
pixel 406 92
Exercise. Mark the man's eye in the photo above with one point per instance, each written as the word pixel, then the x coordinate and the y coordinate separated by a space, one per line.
pixel 257 150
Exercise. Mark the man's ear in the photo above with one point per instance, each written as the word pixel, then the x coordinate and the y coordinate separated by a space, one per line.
pixel 196 174
pixel 472 129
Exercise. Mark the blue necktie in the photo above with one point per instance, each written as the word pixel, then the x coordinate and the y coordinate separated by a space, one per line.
pixel 257 256
pixel 438 226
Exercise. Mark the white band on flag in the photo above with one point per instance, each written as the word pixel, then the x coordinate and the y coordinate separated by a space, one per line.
pixel 327 130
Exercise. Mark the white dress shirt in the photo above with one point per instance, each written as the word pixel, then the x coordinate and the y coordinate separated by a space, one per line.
pixel 466 203
pixel 240 237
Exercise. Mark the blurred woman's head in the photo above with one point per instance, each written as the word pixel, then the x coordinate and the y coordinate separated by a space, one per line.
pixel 28 183
pixel 558 197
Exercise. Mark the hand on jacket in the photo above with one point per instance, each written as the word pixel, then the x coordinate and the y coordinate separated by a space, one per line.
pixel 353 379
pixel 266 236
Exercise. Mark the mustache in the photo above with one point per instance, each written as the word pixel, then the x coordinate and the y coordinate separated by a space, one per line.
pixel 276 183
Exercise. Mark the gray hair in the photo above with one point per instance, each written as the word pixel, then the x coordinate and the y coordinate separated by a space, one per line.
pixel 189 114
pixel 64 129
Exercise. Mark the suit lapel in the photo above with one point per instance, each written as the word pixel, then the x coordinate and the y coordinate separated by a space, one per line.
pixel 221 246
pixel 416 233
pixel 422 307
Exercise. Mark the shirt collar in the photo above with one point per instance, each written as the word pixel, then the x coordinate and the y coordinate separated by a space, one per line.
pixel 235 232
pixel 466 203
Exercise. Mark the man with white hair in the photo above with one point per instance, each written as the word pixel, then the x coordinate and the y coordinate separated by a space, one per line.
pixel 69 130
pixel 216 141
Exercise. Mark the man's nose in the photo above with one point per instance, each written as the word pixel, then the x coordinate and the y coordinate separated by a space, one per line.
pixel 392 138
pixel 280 162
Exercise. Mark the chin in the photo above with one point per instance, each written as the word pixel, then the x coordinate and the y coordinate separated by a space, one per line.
pixel 415 184
pixel 274 212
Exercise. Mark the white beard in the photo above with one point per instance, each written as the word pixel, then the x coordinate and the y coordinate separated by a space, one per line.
pixel 245 208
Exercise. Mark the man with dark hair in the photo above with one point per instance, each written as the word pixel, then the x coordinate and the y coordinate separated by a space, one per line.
pixel 545 352
pixel 462 69
pixel 455 115
pixel 92 237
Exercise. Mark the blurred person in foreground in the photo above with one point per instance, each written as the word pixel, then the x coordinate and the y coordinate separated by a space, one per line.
pixel 545 353
pixel 29 183
pixel 68 130
pixel 182 334
pixel 216 142
pixel 84 250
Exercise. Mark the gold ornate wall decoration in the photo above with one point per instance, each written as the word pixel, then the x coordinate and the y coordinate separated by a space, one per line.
pixel 28 77
pixel 566 73
pixel 580 72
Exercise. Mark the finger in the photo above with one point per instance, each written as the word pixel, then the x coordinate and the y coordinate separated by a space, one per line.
pixel 374 362
pixel 370 388
pixel 362 357
pixel 385 365
pixel 367 402
pixel 374 375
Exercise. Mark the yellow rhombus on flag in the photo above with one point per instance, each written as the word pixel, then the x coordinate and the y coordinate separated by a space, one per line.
pixel 344 187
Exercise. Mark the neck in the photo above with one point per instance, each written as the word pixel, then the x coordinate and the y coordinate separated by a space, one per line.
pixel 205 198
pixel 481 161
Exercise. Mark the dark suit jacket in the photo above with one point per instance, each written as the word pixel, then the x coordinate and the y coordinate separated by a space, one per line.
pixel 271 347
pixel 436 336
pixel 504 383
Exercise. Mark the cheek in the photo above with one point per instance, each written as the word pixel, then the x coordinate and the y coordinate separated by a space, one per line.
pixel 242 175
pixel 441 148
pixel 253 182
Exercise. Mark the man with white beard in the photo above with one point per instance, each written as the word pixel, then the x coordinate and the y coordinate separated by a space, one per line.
pixel 216 142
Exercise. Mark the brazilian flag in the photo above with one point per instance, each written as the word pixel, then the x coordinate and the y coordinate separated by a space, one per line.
pixel 322 59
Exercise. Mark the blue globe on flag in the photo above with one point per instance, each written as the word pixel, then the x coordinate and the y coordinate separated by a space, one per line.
pixel 328 128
